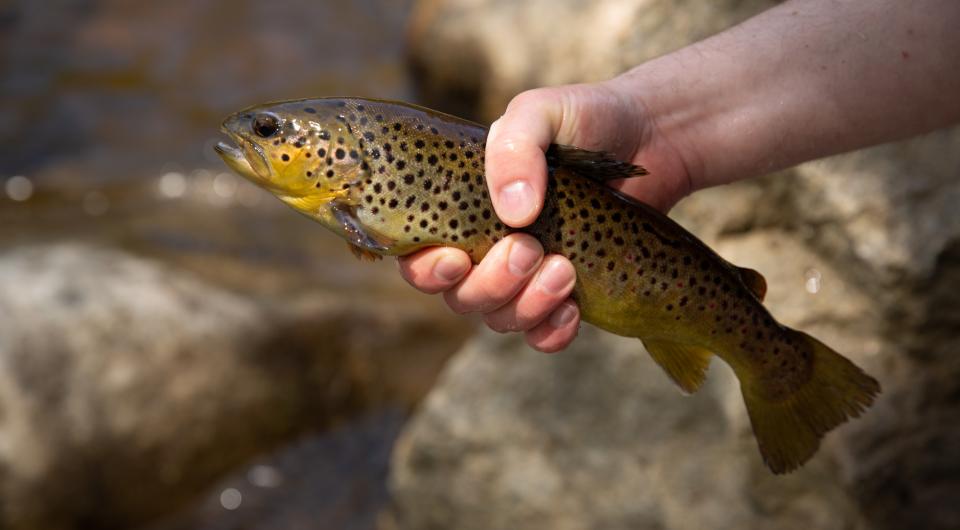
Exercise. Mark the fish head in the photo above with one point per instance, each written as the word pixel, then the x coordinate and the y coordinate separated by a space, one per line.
pixel 303 151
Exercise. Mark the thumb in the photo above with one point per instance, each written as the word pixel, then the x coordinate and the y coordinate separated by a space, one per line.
pixel 515 164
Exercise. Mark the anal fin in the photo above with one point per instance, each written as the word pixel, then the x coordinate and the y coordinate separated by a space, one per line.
pixel 686 365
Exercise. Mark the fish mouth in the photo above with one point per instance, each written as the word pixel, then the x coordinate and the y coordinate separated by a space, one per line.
pixel 247 159
pixel 227 151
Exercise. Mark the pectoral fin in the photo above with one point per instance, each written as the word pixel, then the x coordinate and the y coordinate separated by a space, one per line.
pixel 594 165
pixel 364 242
pixel 686 365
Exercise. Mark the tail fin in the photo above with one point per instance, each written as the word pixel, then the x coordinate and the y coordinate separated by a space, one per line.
pixel 789 429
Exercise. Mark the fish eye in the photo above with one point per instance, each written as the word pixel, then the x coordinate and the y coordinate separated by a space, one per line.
pixel 266 124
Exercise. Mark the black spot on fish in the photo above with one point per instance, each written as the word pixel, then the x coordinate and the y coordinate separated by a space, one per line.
pixel 310 110
pixel 285 157
pixel 401 164
pixel 419 144
pixel 408 178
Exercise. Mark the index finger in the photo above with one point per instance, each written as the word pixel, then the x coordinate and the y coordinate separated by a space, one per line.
pixel 516 167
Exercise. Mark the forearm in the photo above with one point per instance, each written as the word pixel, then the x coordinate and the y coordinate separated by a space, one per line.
pixel 803 80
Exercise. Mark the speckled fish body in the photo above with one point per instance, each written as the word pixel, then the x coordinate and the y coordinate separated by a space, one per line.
pixel 392 178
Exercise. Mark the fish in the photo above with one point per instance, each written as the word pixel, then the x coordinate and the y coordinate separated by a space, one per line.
pixel 392 178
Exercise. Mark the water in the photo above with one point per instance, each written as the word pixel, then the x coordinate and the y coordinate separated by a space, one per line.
pixel 108 113
pixel 109 110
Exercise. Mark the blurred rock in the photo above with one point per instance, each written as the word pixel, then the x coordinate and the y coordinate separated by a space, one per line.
pixel 335 480
pixel 470 57
pixel 598 437
pixel 128 386
pixel 861 250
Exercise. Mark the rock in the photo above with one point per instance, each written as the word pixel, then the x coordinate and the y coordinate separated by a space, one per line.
pixel 598 437
pixel 128 386
pixel 861 250
pixel 334 479
pixel 469 57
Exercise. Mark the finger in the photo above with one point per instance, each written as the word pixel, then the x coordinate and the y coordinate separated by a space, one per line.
pixel 550 286
pixel 499 276
pixel 515 163
pixel 436 269
pixel 558 330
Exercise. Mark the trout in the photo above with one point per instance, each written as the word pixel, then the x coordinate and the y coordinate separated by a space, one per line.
pixel 392 178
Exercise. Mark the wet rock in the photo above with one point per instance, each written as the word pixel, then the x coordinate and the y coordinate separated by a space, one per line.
pixel 335 479
pixel 861 250
pixel 128 386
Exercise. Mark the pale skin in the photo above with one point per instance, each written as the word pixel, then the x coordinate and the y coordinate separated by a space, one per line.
pixel 804 80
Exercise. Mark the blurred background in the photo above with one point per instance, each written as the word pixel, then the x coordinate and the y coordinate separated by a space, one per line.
pixel 179 350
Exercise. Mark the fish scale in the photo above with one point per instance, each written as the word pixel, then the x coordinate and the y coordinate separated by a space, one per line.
pixel 393 178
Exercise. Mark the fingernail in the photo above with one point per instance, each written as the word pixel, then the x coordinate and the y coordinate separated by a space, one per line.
pixel 563 316
pixel 516 201
pixel 524 256
pixel 449 268
pixel 556 277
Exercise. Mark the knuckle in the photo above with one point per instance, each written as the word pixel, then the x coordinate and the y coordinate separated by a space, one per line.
pixel 532 97
pixel 454 303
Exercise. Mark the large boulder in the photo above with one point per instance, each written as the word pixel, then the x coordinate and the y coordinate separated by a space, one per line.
pixel 128 386
pixel 861 250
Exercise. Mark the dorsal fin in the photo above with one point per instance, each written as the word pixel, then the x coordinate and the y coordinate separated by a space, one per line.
pixel 594 165
pixel 754 281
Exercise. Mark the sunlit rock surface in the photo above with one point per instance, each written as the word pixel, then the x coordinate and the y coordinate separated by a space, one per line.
pixel 128 386
pixel 861 250
pixel 471 56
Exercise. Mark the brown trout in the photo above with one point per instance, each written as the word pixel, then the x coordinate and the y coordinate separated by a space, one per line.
pixel 392 178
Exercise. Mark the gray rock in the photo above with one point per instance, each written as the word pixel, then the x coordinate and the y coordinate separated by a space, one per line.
pixel 861 250
pixel 127 387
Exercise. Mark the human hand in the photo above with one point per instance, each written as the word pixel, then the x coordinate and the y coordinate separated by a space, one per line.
pixel 515 286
